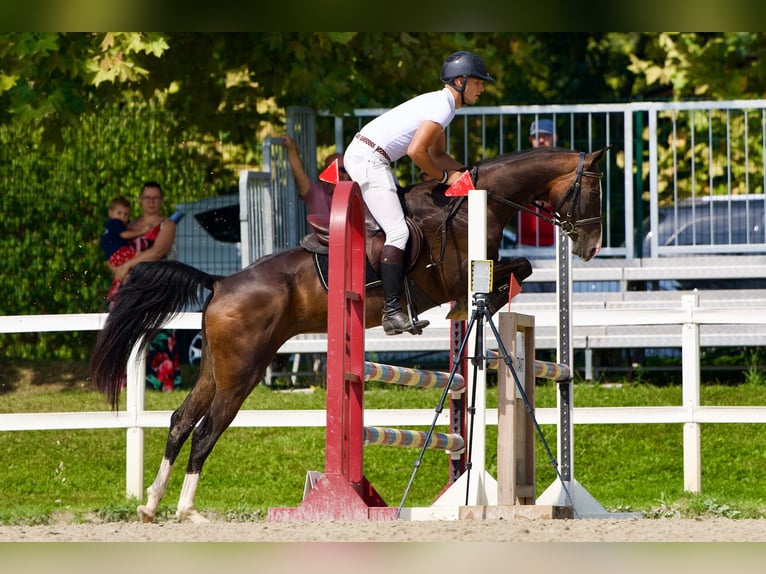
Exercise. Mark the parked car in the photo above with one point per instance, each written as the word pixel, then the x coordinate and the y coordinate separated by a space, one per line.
pixel 208 238
pixel 722 221
pixel 733 225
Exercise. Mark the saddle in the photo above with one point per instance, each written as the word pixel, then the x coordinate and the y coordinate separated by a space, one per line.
pixel 318 241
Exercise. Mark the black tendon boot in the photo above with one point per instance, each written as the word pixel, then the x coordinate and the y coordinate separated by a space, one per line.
pixel 395 320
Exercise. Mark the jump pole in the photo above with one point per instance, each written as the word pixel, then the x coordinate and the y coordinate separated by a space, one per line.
pixel 475 487
pixel 584 505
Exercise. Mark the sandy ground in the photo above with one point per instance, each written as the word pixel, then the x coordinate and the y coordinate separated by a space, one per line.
pixel 573 546
pixel 515 530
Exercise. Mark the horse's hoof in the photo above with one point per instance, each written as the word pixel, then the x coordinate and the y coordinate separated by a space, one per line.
pixel 191 516
pixel 144 515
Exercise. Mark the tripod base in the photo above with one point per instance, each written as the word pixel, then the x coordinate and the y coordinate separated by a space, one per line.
pixel 480 492
pixel 582 503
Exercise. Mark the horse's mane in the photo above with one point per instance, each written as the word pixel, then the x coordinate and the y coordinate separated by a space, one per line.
pixel 523 155
pixel 504 159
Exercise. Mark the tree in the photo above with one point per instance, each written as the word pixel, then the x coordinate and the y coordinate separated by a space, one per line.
pixel 717 66
pixel 55 76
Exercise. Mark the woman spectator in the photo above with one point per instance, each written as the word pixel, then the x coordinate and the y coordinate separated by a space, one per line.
pixel 159 233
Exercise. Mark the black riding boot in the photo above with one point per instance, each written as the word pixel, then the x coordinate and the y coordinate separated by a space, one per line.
pixel 395 320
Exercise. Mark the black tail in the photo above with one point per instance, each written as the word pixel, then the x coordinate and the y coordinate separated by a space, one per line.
pixel 155 293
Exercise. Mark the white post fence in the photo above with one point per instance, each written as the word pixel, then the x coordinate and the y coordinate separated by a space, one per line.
pixel 687 316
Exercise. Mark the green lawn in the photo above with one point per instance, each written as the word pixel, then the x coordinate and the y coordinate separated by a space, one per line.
pixel 625 467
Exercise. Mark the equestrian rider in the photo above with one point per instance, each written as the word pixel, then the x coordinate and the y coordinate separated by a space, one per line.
pixel 414 128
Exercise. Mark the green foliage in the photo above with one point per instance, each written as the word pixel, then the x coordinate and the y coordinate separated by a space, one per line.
pixel 54 205
pixel 754 374
pixel 222 81
pixel 689 64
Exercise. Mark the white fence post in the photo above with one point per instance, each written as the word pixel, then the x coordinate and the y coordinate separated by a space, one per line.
pixel 690 353
pixel 135 390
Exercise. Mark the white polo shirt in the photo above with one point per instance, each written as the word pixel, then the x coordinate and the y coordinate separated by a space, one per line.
pixel 394 129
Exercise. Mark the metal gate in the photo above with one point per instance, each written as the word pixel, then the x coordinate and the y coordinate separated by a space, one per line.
pixel 272 216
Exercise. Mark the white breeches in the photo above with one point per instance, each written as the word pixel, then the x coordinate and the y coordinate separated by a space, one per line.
pixel 376 180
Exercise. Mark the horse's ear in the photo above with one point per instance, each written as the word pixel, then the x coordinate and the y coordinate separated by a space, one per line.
pixel 598 155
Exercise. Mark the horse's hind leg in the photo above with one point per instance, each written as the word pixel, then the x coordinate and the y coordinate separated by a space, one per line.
pixel 222 412
pixel 182 423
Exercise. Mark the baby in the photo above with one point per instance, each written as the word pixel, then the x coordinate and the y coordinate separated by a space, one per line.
pixel 115 241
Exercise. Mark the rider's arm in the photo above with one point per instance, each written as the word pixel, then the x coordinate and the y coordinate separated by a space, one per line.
pixel 438 151
pixel 428 150
pixel 302 182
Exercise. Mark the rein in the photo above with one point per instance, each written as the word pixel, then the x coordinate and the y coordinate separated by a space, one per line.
pixel 571 222
pixel 568 225
pixel 454 207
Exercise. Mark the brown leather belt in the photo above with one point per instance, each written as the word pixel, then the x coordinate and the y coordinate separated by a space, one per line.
pixel 376 148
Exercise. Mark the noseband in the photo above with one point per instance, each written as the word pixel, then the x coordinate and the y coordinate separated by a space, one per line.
pixel 570 223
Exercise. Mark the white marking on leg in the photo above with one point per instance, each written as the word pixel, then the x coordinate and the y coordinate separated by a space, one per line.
pixel 186 511
pixel 155 492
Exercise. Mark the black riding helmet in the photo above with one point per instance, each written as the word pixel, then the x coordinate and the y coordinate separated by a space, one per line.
pixel 464 65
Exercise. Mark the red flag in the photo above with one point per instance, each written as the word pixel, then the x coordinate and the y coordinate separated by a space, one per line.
pixel 514 290
pixel 330 173
pixel 461 186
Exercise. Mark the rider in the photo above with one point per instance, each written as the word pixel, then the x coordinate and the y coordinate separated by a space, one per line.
pixel 416 129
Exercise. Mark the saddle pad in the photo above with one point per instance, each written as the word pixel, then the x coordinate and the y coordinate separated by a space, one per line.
pixel 321 264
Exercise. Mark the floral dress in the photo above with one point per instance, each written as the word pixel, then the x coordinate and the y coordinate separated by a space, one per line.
pixel 163 360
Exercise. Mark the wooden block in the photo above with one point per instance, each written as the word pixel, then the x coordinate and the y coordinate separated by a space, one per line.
pixel 528 511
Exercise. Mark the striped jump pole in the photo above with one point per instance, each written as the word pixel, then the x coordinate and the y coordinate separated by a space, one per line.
pixel 543 369
pixel 383 436
pixel 410 377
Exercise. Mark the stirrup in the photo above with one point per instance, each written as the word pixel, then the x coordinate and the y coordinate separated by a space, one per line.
pixel 398 322
pixel 413 327
pixel 417 327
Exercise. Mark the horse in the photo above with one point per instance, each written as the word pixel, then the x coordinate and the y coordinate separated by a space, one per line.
pixel 249 315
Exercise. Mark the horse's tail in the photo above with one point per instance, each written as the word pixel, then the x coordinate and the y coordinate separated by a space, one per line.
pixel 155 292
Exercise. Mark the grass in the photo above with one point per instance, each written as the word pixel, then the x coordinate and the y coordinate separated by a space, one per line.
pixel 80 475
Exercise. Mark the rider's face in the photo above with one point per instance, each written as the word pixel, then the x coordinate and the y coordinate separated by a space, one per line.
pixel 473 89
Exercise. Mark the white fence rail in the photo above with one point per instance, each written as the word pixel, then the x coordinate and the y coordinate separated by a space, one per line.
pixel 687 318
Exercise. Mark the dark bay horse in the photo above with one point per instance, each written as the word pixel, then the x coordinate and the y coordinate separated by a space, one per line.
pixel 249 315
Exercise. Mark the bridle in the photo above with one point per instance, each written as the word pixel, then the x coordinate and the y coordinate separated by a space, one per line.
pixel 570 222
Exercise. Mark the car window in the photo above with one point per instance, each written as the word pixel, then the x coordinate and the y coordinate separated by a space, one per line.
pixel 222 223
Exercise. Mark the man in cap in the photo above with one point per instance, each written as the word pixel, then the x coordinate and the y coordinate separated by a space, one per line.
pixel 541 133
pixel 532 229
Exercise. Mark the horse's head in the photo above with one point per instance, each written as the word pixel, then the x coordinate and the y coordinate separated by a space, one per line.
pixel 576 201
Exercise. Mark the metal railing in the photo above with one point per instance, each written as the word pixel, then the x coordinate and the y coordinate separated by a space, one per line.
pixel 664 157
